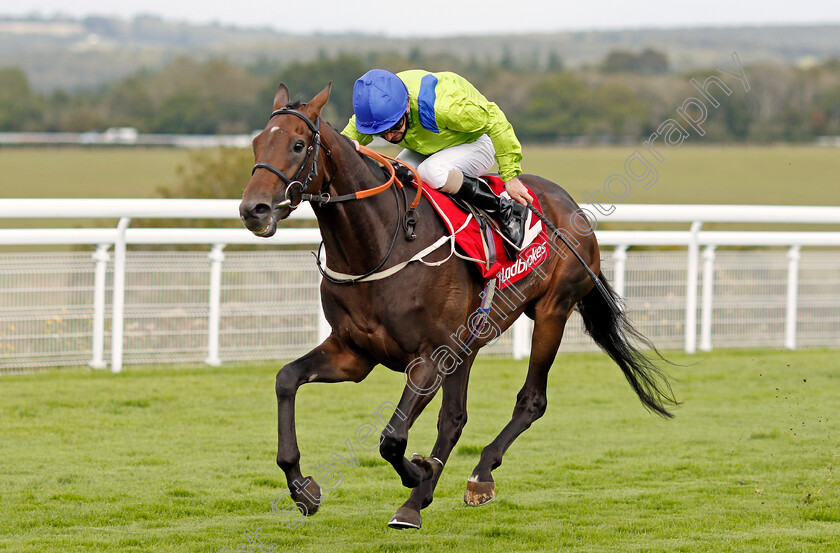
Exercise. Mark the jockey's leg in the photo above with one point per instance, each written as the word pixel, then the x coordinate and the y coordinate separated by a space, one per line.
pixel 510 215
pixel 473 158
pixel 455 170
pixel 412 158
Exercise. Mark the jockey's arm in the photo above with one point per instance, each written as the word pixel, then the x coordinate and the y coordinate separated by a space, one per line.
pixel 461 107
pixel 471 114
pixel 352 133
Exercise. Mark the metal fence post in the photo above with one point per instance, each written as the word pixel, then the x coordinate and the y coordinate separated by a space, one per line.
pixel 118 304
pixel 708 296
pixel 521 337
pixel 691 289
pixel 324 328
pixel 619 268
pixel 98 329
pixel 794 255
pixel 214 316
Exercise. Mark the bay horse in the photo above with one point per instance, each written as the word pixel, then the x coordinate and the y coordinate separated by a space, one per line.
pixel 403 320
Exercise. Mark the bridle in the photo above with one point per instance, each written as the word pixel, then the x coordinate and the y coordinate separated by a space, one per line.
pixel 312 151
pixel 409 217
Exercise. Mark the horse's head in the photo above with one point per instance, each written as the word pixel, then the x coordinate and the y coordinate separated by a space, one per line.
pixel 288 163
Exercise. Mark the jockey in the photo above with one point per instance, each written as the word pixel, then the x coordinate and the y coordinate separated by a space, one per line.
pixel 451 134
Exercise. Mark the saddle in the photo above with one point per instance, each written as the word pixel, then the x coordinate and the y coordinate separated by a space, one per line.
pixel 479 240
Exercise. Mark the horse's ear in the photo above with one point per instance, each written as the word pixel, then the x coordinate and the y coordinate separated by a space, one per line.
pixel 320 100
pixel 281 99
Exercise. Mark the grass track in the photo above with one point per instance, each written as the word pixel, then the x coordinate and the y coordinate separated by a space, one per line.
pixel 163 459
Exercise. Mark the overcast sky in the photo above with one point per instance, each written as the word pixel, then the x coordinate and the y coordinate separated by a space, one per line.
pixel 447 17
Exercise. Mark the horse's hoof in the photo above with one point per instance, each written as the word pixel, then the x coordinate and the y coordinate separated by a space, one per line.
pixel 431 466
pixel 479 493
pixel 307 495
pixel 406 518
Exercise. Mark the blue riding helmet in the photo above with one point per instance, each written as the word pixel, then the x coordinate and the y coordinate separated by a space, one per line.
pixel 380 99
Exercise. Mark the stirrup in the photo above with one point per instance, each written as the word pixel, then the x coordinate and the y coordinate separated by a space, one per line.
pixel 507 213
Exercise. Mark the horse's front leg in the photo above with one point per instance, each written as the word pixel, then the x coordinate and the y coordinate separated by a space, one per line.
pixel 423 380
pixel 332 361
pixel 451 420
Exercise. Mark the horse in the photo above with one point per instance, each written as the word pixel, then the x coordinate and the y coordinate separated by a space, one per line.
pixel 403 316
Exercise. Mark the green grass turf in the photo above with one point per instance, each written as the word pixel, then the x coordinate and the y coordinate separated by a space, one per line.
pixel 166 459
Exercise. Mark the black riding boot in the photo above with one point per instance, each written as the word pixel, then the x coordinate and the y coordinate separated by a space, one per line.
pixel 510 215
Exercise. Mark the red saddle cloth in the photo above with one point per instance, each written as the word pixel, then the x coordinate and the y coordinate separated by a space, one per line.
pixel 506 270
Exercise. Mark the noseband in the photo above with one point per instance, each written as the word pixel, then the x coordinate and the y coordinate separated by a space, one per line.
pixel 312 151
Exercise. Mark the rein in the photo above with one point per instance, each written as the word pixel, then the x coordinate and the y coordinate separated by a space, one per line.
pixel 388 163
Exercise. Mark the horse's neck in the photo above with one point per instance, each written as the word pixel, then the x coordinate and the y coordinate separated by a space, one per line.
pixel 357 234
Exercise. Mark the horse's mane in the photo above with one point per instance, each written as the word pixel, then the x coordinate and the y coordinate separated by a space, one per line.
pixel 372 165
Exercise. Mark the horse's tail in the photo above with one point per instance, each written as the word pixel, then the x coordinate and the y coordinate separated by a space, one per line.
pixel 611 332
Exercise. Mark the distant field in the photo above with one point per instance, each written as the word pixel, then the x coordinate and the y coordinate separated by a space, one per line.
pixel 798 175
pixel 164 460
pixel 802 175
pixel 87 172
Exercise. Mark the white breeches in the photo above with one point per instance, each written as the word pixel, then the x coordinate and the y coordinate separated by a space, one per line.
pixel 473 159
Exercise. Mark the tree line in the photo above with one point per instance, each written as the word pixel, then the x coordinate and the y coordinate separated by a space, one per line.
pixel 625 97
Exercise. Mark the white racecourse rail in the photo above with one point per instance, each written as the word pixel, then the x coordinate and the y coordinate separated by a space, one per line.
pixel 212 305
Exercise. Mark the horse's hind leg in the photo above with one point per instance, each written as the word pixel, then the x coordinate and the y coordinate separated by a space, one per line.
pixel 530 404
pixel 451 420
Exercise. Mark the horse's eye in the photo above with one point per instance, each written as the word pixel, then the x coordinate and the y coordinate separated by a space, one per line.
pixel 299 146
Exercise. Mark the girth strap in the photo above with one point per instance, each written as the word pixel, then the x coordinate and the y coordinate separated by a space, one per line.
pixel 335 275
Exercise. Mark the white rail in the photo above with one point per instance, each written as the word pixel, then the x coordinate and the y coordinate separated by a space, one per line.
pixel 17 208
pixel 693 238
pixel 100 208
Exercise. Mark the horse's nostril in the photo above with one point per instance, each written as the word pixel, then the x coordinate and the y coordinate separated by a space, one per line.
pixel 261 210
